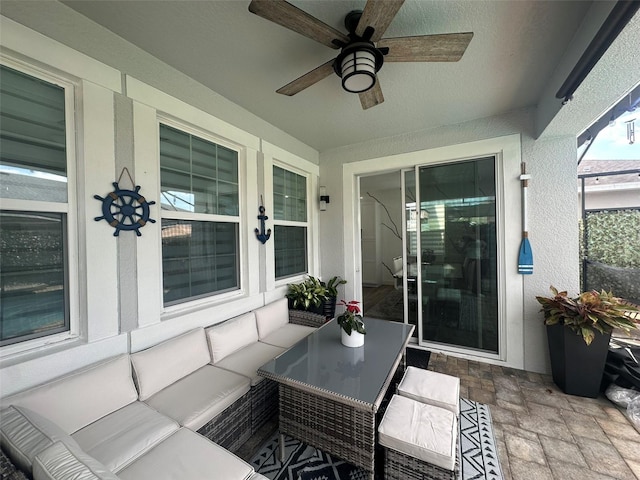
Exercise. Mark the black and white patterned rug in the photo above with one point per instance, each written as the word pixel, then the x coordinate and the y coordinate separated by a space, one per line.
pixel 478 455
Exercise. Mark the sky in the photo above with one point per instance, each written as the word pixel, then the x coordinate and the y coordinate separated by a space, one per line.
pixel 612 142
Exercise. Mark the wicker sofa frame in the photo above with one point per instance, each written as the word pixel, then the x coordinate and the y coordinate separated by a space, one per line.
pixel 232 427
pixel 238 422
pixel 8 470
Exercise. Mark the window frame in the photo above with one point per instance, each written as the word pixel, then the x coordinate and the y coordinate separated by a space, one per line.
pixel 68 210
pixel 173 307
pixel 293 223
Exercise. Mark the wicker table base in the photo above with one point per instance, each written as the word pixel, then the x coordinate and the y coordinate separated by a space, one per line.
pixel 331 396
pixel 334 427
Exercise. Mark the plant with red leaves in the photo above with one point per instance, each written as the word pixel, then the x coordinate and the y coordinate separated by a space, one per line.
pixel 351 319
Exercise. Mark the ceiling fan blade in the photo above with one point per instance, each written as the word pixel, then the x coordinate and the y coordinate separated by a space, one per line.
pixel 308 79
pixel 378 14
pixel 448 47
pixel 371 97
pixel 291 17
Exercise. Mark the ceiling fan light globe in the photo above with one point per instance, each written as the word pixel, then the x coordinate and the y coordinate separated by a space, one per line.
pixel 358 71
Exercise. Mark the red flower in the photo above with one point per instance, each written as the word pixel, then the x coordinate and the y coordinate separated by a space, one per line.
pixel 351 307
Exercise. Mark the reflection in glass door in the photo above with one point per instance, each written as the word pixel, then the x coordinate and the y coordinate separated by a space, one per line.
pixel 450 212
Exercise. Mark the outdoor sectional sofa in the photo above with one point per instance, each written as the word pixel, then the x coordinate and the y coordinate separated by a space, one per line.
pixel 135 416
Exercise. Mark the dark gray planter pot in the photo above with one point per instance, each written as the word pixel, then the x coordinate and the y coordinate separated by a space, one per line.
pixel 327 308
pixel 577 368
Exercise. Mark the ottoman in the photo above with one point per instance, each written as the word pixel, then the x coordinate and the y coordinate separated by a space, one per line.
pixel 419 440
pixel 434 388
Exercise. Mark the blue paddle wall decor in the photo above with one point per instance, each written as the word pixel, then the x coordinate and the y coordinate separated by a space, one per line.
pixel 125 209
pixel 525 257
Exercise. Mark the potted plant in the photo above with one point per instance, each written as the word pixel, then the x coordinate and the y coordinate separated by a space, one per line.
pixel 578 333
pixel 308 295
pixel 314 295
pixel 332 295
pixel 351 324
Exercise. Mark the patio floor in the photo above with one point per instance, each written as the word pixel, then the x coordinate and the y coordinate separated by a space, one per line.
pixel 543 433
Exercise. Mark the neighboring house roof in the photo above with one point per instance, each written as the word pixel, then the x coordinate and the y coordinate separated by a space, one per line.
pixel 31 186
pixel 589 167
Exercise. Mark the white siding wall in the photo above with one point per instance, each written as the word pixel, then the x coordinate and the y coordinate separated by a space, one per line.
pixel 122 276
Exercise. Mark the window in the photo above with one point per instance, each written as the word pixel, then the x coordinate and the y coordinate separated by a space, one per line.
pixel 200 216
pixel 34 267
pixel 290 223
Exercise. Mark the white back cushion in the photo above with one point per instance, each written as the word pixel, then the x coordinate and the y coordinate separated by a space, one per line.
pixel 271 317
pixel 232 335
pixel 81 397
pixel 24 434
pixel 64 462
pixel 166 363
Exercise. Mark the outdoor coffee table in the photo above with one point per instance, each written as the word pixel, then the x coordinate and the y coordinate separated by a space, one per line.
pixel 329 393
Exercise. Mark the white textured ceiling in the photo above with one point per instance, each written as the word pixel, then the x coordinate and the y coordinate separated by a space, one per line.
pixel 515 49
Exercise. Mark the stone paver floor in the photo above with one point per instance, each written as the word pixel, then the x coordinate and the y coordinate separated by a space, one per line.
pixel 543 433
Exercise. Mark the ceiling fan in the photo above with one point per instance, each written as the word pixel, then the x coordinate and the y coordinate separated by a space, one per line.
pixel 363 50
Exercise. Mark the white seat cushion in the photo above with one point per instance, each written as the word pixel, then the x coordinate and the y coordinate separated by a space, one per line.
pixel 231 336
pixel 430 387
pixel 271 317
pixel 169 361
pixel 83 396
pixel 420 431
pixel 248 360
pixel 119 438
pixel 288 335
pixel 64 462
pixel 187 455
pixel 24 434
pixel 200 396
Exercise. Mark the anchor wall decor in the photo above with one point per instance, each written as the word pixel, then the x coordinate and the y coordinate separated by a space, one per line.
pixel 261 234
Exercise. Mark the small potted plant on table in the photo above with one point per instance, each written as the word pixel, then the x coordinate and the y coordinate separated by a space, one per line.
pixel 351 324
pixel 578 333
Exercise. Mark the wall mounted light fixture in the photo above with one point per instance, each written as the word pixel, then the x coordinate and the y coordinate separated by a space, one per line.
pixel 324 198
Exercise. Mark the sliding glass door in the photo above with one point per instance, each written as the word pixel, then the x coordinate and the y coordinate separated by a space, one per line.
pixel 450 255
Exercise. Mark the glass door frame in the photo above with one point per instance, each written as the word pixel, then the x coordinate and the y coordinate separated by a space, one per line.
pixel 508 152
pixel 418 232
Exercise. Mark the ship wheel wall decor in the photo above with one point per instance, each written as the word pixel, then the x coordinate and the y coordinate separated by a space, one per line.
pixel 125 210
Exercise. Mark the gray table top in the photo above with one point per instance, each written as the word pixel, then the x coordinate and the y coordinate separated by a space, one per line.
pixel 321 362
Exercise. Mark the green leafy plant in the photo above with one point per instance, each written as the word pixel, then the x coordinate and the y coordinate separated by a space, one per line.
pixel 309 293
pixel 588 312
pixel 351 319
pixel 333 284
